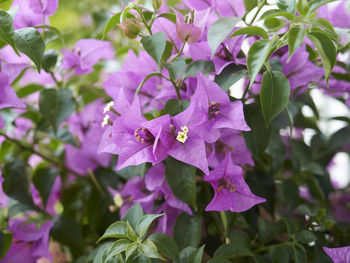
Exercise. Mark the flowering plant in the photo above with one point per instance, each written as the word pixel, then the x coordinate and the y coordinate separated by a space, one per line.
pixel 173 131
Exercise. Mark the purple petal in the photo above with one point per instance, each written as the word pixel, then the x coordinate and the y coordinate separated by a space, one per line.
pixel 339 254
pixel 8 97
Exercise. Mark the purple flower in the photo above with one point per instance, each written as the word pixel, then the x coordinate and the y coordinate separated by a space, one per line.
pixel 338 254
pixel 43 7
pixel 30 242
pixel 86 126
pixel 190 28
pixel 221 112
pixel 231 191
pixel 138 139
pixel 87 52
pixel 162 200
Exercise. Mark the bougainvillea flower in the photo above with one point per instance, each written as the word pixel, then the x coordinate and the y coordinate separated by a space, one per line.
pixel 222 113
pixel 229 141
pixel 190 28
pixel 338 254
pixel 25 15
pixel 30 242
pixel 86 53
pixel 43 7
pixel 162 199
pixel 8 97
pixel 137 143
pixel 231 191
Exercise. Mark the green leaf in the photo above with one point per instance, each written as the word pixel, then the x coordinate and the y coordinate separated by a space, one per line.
pixel 130 250
pixel 171 17
pixel 266 230
pixel 257 56
pixel 182 180
pixel 306 237
pixel 250 4
pixel 303 7
pixel 68 232
pixel 5 4
pixel 102 252
pixel 314 4
pixel 203 66
pixel 174 107
pixel 16 184
pixel 175 68
pixel 133 215
pixel 130 233
pixel 251 31
pixel 7 31
pixel 116 230
pixel 218 32
pixel 149 249
pixel 295 39
pixel 232 251
pixel 5 242
pixel 286 5
pixel 230 75
pixel 277 12
pixel 274 95
pixel 166 246
pixel 219 260
pixel 196 256
pixel 274 24
pixel 112 22
pixel 54 34
pixel 279 254
pixel 167 51
pixel 43 179
pixel 187 230
pixel 29 41
pixel 29 89
pixel 56 106
pixel 155 45
pixel 118 247
pixel 144 223
pixel 300 255
pixel 49 60
pixel 258 138
pixel 326 49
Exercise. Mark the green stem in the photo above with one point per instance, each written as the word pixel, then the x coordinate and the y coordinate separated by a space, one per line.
pixel 144 21
pixel 260 6
pixel 224 222
pixel 181 50
pixel 145 79
pixel 55 79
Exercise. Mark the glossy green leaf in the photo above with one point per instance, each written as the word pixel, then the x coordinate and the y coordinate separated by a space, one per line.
pixel 219 260
pixel 287 5
pixel 251 31
pixel 233 251
pixel 196 256
pixel 277 13
pixel 257 56
pixel 29 41
pixel 112 22
pixel 166 246
pixel 118 247
pixel 116 230
pixel 250 4
pixel 49 60
pixel 43 179
pixel 155 45
pixel 326 49
pixel 274 94
pixel 7 30
pixel 5 242
pixel 203 66
pixel 295 39
pixel 181 178
pixel 130 232
pixel 175 68
pixel 144 223
pixel 303 7
pixel 5 4
pixel 171 17
pixel 16 184
pixel 219 31
pixel 101 252
pixel 187 230
pixel 56 106
pixel 149 249
pixel 174 107
pixel 305 237
pixel 230 75
pixel 274 24
pixel 133 215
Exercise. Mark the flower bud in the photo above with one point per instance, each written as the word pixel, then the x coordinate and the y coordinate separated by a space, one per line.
pixel 156 4
pixel 130 28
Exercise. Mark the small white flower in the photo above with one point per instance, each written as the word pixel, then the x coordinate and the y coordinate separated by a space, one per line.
pixel 105 120
pixel 108 107
pixel 182 135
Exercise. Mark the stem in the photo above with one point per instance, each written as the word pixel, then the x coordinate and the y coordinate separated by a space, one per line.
pixel 260 6
pixel 145 79
pixel 144 21
pixel 224 222
pixel 181 50
pixel 95 181
pixel 55 79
